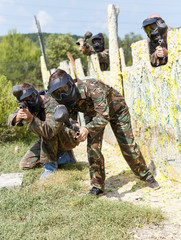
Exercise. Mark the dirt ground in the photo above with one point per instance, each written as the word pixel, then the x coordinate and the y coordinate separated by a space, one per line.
pixel 121 184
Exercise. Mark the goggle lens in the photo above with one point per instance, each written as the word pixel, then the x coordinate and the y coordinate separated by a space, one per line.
pixel 62 91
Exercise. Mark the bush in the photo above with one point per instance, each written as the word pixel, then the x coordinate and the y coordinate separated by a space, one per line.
pixel 8 105
pixel 20 59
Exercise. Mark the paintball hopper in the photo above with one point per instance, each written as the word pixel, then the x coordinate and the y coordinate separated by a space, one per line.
pixel 62 115
pixel 18 92
pixel 87 35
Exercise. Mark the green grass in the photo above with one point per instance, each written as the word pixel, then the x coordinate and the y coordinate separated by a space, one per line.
pixel 59 208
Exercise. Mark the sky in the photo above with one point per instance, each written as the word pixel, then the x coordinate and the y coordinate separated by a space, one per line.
pixel 79 16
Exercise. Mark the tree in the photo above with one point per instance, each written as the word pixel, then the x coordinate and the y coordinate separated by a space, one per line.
pixel 20 59
pixel 8 105
pixel 56 48
pixel 125 43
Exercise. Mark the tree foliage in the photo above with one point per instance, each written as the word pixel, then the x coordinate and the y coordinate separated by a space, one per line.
pixel 20 53
pixel 20 59
pixel 56 48
pixel 8 105
pixel 7 101
pixel 20 62
pixel 125 43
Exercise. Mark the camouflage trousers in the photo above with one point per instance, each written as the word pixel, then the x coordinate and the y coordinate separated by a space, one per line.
pixel 121 126
pixel 32 158
pixel 47 150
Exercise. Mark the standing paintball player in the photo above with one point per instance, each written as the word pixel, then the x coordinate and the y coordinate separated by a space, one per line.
pixel 55 140
pixel 100 104
pixel 97 47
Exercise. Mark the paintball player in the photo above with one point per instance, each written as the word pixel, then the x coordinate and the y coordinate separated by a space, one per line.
pixel 55 140
pixel 156 30
pixel 97 47
pixel 100 104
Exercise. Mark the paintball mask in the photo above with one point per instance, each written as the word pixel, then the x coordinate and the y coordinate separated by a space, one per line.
pixel 155 28
pixel 98 42
pixel 33 99
pixel 63 90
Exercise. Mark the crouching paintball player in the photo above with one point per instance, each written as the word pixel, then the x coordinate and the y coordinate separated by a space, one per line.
pixel 100 104
pixel 56 141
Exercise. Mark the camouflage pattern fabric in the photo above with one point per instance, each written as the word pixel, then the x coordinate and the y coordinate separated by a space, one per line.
pixel 54 136
pixel 32 158
pixel 103 56
pixel 101 104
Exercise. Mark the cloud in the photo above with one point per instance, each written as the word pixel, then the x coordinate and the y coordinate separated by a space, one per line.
pixel 22 11
pixel 45 21
pixel 137 10
pixel 2 20
pixel 5 3
pixel 97 27
pixel 102 26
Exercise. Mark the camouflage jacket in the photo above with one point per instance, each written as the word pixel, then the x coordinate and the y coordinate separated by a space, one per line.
pixel 103 56
pixel 99 103
pixel 45 126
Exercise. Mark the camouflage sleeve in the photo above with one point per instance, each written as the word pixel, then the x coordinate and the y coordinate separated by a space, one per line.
pixel 73 115
pixel 11 120
pixel 104 55
pixel 104 59
pixel 89 50
pixel 48 128
pixel 101 108
pixel 154 60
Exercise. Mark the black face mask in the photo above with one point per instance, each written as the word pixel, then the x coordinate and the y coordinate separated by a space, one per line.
pixel 68 98
pixel 66 93
pixel 98 46
pixel 159 29
pixel 156 35
pixel 34 103
pixel 34 108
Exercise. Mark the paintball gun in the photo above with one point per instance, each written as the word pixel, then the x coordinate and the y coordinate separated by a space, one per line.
pixel 86 37
pixel 62 115
pixel 158 33
pixel 157 38
pixel 18 92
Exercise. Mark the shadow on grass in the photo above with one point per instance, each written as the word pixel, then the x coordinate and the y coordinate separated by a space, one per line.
pixel 74 166
pixel 116 182
pixel 32 175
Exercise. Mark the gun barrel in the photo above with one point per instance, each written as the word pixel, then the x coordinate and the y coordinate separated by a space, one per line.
pixel 72 125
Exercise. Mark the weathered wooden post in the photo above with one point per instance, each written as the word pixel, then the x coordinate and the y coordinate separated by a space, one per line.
pixel 114 54
pixel 44 68
pixel 45 73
